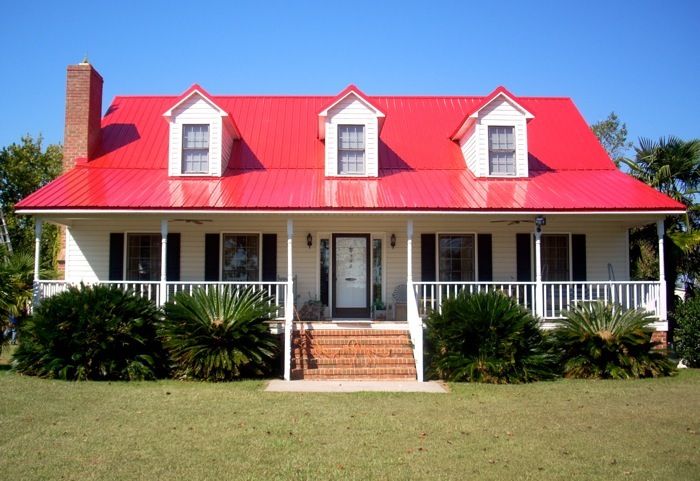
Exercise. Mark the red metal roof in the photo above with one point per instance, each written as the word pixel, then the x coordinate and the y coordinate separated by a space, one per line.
pixel 279 162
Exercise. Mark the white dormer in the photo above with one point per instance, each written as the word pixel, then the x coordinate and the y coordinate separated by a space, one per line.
pixel 201 135
pixel 350 126
pixel 493 137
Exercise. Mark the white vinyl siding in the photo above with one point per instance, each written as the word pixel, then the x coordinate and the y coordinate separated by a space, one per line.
pixel 87 250
pixel 352 111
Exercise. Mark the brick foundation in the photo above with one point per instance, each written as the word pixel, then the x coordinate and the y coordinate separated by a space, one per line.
pixel 661 337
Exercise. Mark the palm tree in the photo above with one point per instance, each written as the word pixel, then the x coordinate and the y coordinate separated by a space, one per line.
pixel 671 166
pixel 16 283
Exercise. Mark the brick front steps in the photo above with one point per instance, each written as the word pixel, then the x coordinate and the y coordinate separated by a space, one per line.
pixel 352 354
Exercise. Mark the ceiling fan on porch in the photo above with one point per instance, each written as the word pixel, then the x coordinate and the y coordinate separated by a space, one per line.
pixel 193 221
pixel 514 221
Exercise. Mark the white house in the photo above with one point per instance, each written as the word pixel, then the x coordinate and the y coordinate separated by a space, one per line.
pixel 376 207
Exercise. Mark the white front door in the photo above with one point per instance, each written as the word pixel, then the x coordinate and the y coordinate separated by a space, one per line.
pixel 351 275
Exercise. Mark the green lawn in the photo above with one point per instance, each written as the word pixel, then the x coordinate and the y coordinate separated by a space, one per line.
pixel 635 430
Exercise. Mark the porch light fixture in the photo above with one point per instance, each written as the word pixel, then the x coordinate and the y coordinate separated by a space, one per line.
pixel 540 220
pixel 392 241
pixel 309 240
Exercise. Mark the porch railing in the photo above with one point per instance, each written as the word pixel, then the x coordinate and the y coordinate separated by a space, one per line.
pixel 152 289
pixel 430 295
pixel 557 297
pixel 560 296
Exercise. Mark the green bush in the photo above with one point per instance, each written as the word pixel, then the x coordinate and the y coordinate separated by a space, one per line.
pixel 92 332
pixel 219 335
pixel 687 333
pixel 488 337
pixel 604 341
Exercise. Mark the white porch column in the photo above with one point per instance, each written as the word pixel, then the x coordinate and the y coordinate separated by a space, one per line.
pixel 409 254
pixel 660 232
pixel 163 261
pixel 415 323
pixel 289 305
pixel 539 287
pixel 38 226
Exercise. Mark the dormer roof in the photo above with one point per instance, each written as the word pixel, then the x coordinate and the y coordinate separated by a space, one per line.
pixel 347 91
pixel 197 90
pixel 499 93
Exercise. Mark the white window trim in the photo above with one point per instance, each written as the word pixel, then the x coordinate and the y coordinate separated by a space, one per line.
pixel 125 254
pixel 182 150
pixel 476 253
pixel 513 125
pixel 570 254
pixel 221 253
pixel 381 236
pixel 337 149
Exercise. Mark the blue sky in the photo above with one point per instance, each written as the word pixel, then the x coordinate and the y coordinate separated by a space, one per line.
pixel 640 59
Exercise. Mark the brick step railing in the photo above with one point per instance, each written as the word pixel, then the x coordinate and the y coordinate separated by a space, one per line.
pixel 352 354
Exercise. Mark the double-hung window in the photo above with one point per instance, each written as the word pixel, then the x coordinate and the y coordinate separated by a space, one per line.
pixel 195 149
pixel 143 257
pixel 456 254
pixel 241 257
pixel 501 150
pixel 555 257
pixel 351 149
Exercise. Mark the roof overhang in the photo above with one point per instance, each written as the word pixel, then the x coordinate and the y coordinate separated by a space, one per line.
pixel 501 93
pixel 348 91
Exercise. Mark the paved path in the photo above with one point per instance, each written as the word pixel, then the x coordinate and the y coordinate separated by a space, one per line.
pixel 277 385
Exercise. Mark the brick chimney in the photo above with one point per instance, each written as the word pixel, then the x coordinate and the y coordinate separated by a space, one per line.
pixel 83 114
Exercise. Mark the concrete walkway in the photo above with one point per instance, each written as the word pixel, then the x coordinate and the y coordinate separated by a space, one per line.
pixel 278 385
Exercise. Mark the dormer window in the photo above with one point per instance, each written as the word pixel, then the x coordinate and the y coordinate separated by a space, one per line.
pixel 195 149
pixel 350 126
pixel 351 149
pixel 501 150
pixel 493 136
pixel 201 135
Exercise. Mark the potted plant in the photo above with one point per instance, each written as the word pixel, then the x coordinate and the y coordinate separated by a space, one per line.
pixel 379 310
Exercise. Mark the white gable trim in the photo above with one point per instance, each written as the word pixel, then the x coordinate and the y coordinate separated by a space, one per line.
pixel 212 104
pixel 469 121
pixel 323 115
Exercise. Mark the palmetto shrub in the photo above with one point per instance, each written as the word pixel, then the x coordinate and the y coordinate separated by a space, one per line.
pixel 687 333
pixel 219 335
pixel 487 337
pixel 605 341
pixel 92 332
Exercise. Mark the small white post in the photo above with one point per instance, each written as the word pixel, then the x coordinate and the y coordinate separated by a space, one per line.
pixel 289 305
pixel 539 287
pixel 163 261
pixel 38 226
pixel 660 232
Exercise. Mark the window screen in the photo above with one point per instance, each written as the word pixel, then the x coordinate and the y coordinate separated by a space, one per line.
pixel 555 257
pixel 501 151
pixel 456 257
pixel 143 257
pixel 241 260
pixel 195 149
pixel 351 149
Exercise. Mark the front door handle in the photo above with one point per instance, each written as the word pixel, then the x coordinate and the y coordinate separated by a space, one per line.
pixel 350 279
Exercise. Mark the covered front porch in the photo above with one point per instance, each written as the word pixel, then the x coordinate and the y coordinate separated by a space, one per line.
pixel 382 269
